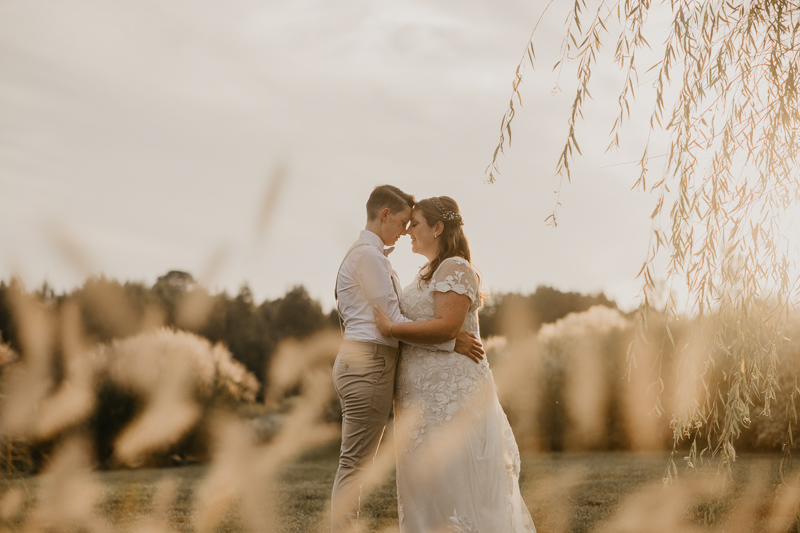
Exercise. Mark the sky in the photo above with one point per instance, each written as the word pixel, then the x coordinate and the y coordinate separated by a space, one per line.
pixel 142 137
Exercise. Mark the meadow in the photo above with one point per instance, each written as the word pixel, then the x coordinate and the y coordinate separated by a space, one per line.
pixel 100 419
pixel 572 492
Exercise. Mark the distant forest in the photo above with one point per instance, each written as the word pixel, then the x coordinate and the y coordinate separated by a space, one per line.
pixel 252 330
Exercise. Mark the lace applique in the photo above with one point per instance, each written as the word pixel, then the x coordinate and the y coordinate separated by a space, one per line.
pixel 460 524
pixel 443 385
pixel 454 274
pixel 457 275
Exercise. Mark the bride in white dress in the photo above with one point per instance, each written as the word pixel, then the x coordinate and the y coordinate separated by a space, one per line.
pixel 457 460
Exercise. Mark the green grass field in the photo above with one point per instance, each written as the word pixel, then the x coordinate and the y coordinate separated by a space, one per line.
pixel 565 492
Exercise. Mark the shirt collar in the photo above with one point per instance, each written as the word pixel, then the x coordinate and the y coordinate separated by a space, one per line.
pixel 372 239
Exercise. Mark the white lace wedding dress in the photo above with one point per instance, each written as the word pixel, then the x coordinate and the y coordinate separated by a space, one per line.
pixel 457 460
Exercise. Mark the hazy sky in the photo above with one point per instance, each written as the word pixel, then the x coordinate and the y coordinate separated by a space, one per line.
pixel 141 137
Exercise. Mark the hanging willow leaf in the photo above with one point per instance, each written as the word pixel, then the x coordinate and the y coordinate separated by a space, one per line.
pixel 725 93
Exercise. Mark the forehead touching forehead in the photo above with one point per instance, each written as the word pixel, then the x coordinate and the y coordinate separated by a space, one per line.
pixel 405 215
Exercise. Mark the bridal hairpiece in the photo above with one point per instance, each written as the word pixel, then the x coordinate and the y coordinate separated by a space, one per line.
pixel 450 216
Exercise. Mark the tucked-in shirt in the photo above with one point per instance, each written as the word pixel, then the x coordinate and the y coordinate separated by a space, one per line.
pixel 366 278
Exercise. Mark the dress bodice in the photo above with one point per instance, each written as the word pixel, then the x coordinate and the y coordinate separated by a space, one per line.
pixel 454 274
pixel 442 383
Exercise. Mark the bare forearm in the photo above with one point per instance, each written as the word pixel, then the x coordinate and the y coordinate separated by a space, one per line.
pixel 425 332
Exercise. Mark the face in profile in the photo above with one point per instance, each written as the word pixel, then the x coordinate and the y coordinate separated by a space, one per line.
pixel 422 235
pixel 394 226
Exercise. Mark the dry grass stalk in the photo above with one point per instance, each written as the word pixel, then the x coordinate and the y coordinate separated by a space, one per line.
pixel 231 475
pixel 572 349
pixel 73 400
pixel 586 397
pixel 744 514
pixel 553 494
pixel 157 521
pixel 7 355
pixel 12 504
pixel 269 202
pixel 692 375
pixel 164 367
pixel 664 508
pixel 194 309
pixel 168 416
pixel 295 358
pixel 28 384
pixel 168 368
pixel 67 245
pixel 112 306
pixel 244 472
pixel 160 368
pixel 67 492
pixel 444 445
pixel 785 508
pixel 516 374
pixel 642 420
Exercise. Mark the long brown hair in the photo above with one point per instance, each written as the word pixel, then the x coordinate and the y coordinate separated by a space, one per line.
pixel 452 241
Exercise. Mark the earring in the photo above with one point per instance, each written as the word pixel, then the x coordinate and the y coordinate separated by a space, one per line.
pixel 435 235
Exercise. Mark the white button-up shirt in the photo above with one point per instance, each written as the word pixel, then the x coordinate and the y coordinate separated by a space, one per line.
pixel 365 279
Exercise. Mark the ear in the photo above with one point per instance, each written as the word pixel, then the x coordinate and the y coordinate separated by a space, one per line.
pixel 438 227
pixel 384 214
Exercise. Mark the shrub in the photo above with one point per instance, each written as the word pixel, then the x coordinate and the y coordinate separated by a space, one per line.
pixel 571 386
pixel 583 363
pixel 565 387
pixel 155 390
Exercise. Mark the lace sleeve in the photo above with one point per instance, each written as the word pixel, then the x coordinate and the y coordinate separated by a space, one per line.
pixel 457 275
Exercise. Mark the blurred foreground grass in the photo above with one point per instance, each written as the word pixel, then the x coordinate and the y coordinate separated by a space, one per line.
pixel 573 492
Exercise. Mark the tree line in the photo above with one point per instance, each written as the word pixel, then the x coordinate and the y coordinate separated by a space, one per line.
pixel 562 358
pixel 252 330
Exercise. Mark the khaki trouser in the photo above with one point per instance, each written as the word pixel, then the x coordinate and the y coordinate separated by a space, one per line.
pixel 363 375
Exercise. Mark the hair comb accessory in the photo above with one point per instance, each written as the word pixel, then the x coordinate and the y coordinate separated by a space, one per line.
pixel 450 216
